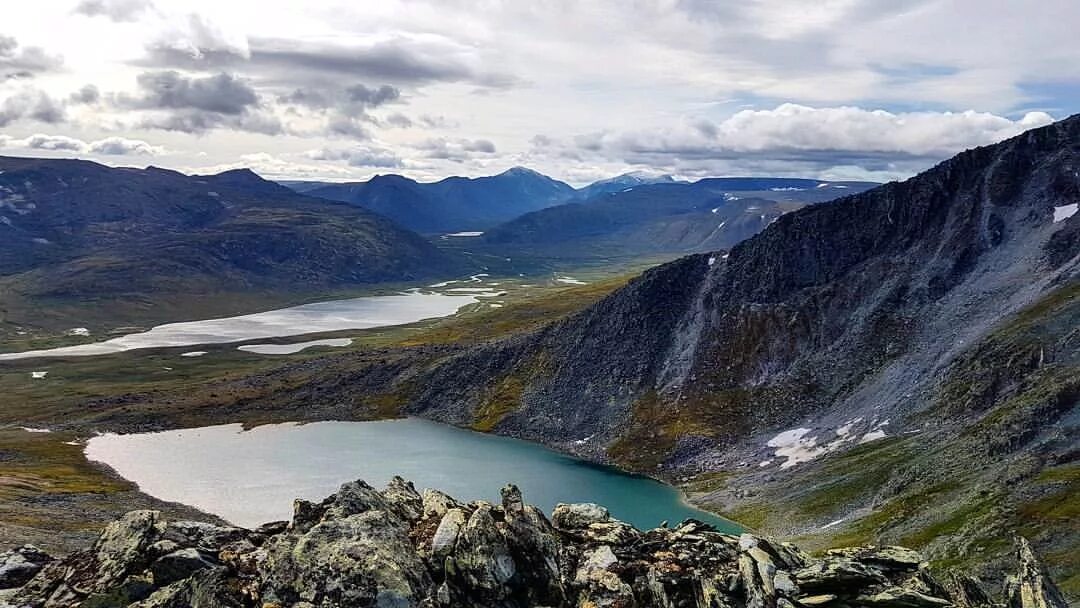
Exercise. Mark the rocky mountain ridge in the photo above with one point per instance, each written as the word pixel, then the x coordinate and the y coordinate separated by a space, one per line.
pixel 398 547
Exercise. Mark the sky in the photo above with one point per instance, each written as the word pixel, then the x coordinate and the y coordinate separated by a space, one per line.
pixel 578 89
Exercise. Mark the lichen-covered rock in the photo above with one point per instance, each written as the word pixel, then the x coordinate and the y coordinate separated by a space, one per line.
pixel 397 548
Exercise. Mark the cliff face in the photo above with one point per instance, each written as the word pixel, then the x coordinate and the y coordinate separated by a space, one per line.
pixel 362 547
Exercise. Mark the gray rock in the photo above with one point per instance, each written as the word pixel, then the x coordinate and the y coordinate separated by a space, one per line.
pixel 578 516
pixel 20 565
pixel 1032 588
pixel 179 565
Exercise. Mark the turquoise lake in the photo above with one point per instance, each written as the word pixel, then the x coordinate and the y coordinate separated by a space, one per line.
pixel 251 477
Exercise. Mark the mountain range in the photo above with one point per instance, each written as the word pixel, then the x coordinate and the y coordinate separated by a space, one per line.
pixel 452 204
pixel 665 216
pixel 75 232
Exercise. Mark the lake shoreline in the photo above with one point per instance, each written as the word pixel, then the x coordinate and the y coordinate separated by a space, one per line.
pixel 684 507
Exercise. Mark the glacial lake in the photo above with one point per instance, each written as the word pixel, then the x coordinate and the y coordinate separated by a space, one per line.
pixel 251 477
pixel 335 315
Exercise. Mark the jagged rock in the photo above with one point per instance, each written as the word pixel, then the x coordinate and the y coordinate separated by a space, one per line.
pixel 967 591
pixel 817 600
pixel 578 516
pixel 481 563
pixel 352 557
pixel 179 565
pixel 837 574
pixel 899 597
pixel 395 548
pixel 888 558
pixel 1032 588
pixel 447 533
pixel 20 565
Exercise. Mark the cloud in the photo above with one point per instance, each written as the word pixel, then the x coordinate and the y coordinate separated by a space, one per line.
pixel 24 62
pixel 221 94
pixel 358 156
pixel 458 150
pixel 116 10
pixel 195 104
pixel 112 146
pixel 399 60
pixel 88 94
pixel 814 137
pixel 30 104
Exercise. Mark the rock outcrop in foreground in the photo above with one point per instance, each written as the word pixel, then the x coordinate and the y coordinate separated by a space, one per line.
pixel 398 548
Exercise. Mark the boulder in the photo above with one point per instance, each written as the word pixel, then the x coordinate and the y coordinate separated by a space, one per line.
pixel 578 516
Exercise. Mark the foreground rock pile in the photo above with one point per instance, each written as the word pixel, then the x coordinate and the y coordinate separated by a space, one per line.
pixel 398 548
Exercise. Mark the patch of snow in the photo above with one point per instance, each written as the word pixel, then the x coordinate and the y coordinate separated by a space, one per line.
pixel 765 463
pixel 841 187
pixel 443 284
pixel 77 331
pixel 38 375
pixel 730 197
pixel 72 443
pixel 498 294
pixel 715 209
pixel 585 440
pixel 872 436
pixel 486 290
pixel 30 429
pixel 712 260
pixel 795 447
pixel 194 353
pixel 41 241
pixel 1064 212
pixel 569 281
pixel 832 523
pixel 788 189
pixel 823 185
pixel 495 305
pixel 289 349
pixel 467 233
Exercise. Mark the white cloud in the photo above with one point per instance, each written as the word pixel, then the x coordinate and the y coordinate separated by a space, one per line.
pixel 110 146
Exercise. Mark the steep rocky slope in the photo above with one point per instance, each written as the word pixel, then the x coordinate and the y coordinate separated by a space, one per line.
pixel 362 547
pixel 838 374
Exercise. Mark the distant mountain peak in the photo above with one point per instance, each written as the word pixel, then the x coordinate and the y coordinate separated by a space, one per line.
pixel 523 171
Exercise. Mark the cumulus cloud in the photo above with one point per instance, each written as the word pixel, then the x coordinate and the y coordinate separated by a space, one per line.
pixel 24 62
pixel 358 156
pixel 195 104
pixel 30 104
pixel 813 137
pixel 112 146
pixel 117 10
pixel 458 150
pixel 88 94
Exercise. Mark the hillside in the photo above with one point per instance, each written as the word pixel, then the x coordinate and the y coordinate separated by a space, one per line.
pixel 836 375
pixel 665 217
pixel 76 232
pixel 452 204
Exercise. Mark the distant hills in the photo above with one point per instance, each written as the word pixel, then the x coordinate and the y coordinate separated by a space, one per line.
pixel 630 214
pixel 449 205
pixel 666 216
pixel 76 231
